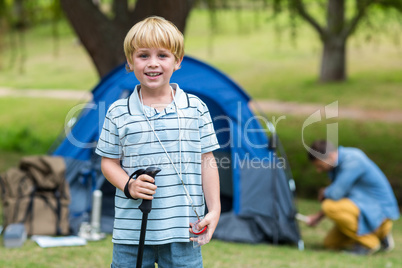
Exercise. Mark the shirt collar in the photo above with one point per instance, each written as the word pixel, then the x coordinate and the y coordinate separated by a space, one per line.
pixel 335 170
pixel 135 105
pixel 340 156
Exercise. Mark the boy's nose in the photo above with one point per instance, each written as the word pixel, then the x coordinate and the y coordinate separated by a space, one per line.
pixel 153 62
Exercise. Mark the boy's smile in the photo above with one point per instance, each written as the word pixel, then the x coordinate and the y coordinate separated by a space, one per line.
pixel 153 67
pixel 153 74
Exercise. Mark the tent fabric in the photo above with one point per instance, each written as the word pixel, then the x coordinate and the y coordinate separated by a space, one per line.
pixel 255 229
pixel 272 215
pixel 244 143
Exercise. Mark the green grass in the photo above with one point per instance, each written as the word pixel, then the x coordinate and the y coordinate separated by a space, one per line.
pixel 29 126
pixel 221 254
pixel 97 254
pixel 217 254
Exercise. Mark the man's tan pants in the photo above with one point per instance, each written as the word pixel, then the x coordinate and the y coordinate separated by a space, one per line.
pixel 345 215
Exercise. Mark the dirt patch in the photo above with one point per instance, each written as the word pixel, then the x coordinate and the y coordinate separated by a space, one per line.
pixel 54 94
pixel 267 106
pixel 293 108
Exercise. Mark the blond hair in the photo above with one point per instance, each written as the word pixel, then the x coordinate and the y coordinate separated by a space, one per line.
pixel 154 32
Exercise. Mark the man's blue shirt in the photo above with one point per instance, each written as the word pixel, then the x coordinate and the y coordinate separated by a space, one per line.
pixel 359 179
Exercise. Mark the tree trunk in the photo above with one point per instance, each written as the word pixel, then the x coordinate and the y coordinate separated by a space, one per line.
pixel 333 63
pixel 97 34
pixel 103 37
pixel 175 11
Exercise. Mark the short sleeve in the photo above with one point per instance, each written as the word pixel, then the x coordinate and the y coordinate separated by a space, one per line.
pixel 208 139
pixel 109 142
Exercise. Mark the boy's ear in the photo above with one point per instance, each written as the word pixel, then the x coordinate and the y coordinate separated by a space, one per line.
pixel 178 64
pixel 129 65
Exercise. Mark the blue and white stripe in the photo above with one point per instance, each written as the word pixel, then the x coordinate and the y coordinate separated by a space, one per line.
pixel 126 135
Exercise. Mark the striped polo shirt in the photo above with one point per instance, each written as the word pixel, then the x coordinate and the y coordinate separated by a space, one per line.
pixel 126 135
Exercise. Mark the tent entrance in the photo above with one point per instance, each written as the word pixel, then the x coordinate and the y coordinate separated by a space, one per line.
pixel 224 162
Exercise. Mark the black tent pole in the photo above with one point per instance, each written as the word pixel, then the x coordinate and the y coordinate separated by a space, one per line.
pixel 272 147
pixel 145 208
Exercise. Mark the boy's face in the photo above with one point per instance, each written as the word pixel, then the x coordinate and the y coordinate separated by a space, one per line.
pixel 153 67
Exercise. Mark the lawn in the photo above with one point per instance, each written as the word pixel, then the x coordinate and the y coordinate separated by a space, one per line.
pixel 217 254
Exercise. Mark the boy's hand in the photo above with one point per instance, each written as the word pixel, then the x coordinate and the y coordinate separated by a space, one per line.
pixel 143 187
pixel 211 220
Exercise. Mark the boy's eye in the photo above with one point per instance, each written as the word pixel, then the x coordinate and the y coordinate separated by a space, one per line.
pixel 162 55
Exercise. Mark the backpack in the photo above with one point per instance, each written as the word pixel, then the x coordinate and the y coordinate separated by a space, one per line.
pixel 37 195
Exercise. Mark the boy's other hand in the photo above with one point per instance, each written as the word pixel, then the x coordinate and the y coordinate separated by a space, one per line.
pixel 143 187
pixel 211 220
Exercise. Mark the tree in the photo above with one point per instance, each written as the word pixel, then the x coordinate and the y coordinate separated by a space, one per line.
pixel 338 29
pixel 100 28
pixel 102 34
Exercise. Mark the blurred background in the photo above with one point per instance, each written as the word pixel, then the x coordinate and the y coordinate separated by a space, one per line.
pixel 288 55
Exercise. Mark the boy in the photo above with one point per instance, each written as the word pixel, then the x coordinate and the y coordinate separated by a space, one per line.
pixel 159 125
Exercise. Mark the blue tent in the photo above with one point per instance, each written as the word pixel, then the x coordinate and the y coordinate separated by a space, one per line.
pixel 254 179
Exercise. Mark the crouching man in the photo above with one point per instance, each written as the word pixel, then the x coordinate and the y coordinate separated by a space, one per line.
pixel 359 200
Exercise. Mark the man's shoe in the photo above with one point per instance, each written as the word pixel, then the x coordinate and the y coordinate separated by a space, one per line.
pixel 387 243
pixel 359 249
